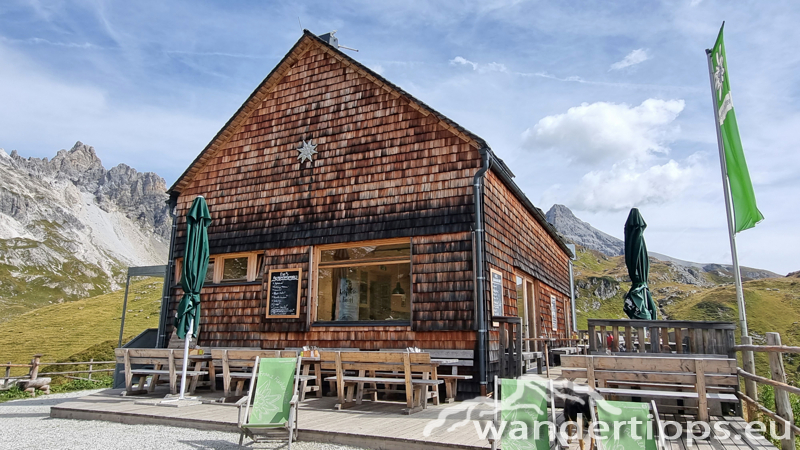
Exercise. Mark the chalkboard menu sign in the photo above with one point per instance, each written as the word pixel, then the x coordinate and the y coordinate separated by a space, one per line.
pixel 283 293
pixel 497 293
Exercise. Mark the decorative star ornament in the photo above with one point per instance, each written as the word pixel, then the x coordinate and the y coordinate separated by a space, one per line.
pixel 307 151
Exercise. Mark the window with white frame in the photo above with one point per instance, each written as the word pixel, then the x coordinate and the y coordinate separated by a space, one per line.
pixel 228 268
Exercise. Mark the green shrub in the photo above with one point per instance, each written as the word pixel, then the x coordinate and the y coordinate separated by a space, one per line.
pixel 13 394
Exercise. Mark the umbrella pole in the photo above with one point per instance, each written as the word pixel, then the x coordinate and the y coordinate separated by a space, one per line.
pixel 186 357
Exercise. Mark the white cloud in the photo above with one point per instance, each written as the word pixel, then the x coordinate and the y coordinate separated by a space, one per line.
pixel 50 113
pixel 600 131
pixel 377 68
pixel 481 68
pixel 458 60
pixel 635 57
pixel 631 140
pixel 628 184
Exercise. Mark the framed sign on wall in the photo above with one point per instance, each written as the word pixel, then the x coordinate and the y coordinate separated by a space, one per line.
pixel 283 293
pixel 554 311
pixel 497 293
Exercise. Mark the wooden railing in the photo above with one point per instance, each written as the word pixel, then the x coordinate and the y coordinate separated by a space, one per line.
pixel 510 346
pixel 783 415
pixel 661 336
pixel 36 363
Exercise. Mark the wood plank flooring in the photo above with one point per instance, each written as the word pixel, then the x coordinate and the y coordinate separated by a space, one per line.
pixel 371 425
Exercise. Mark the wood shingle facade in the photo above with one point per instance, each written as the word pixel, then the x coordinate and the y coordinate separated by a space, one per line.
pixel 383 217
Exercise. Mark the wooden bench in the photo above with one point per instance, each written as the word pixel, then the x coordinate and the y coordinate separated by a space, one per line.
pixel 158 358
pixel 528 358
pixel 464 359
pixel 663 378
pixel 323 373
pixel 375 368
pixel 237 365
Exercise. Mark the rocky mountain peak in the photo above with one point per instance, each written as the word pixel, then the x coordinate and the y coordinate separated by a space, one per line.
pixel 579 232
pixel 139 195
pixel 69 227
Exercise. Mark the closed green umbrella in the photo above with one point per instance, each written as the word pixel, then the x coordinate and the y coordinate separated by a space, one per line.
pixel 638 301
pixel 195 265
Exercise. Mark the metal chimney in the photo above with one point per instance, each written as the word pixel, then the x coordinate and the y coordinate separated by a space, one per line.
pixel 330 39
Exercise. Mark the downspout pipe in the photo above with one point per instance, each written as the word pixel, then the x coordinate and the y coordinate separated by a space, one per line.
pixel 161 340
pixel 479 268
pixel 572 297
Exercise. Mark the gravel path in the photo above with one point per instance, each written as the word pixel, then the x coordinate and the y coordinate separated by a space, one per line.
pixel 26 424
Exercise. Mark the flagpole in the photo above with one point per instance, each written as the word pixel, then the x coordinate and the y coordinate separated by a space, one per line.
pixel 728 204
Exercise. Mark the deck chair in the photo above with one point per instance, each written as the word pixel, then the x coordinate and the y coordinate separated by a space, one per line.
pixel 612 412
pixel 270 406
pixel 526 401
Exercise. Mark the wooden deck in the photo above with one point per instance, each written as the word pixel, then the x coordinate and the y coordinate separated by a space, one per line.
pixel 380 425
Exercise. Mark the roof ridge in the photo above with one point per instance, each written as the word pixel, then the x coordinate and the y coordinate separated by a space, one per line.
pixel 241 114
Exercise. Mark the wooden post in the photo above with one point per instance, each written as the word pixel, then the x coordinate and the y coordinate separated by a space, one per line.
pixel 8 375
pixel 590 379
pixel 592 340
pixel 503 348
pixel 628 339
pixel 603 339
pixel 518 352
pixel 782 405
pixel 750 386
pixel 90 368
pixel 655 339
pixel 678 340
pixel 640 336
pixel 700 387
pixel 547 359
pixel 35 366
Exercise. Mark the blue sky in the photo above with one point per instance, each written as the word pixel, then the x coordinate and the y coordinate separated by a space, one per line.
pixel 597 105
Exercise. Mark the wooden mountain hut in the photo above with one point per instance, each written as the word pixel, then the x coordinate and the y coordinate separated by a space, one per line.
pixel 347 213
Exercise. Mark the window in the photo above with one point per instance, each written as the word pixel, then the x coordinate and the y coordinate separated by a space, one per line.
pixel 210 272
pixel 234 269
pixel 364 283
pixel 228 268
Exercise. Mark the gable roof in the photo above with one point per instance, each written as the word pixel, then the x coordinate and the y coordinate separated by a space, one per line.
pixel 305 43
pixel 309 40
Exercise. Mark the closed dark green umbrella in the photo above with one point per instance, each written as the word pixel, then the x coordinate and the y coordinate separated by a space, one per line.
pixel 638 301
pixel 195 265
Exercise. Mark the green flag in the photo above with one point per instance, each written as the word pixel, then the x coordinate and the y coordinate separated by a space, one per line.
pixel 745 211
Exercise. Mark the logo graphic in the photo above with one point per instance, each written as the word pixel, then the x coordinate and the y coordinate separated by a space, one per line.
pixel 726 104
pixel 719 76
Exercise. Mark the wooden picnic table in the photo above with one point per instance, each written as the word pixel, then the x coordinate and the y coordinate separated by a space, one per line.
pixel 198 361
pixel 309 362
pixel 443 361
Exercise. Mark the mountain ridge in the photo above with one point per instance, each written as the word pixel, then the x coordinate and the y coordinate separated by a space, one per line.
pixel 574 230
pixel 69 228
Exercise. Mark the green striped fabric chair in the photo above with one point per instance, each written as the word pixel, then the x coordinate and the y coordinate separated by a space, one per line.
pixel 526 401
pixel 615 412
pixel 270 410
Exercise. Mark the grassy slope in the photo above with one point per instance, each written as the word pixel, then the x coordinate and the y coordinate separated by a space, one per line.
pixel 773 310
pixel 23 289
pixel 776 309
pixel 61 330
pixel 595 264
